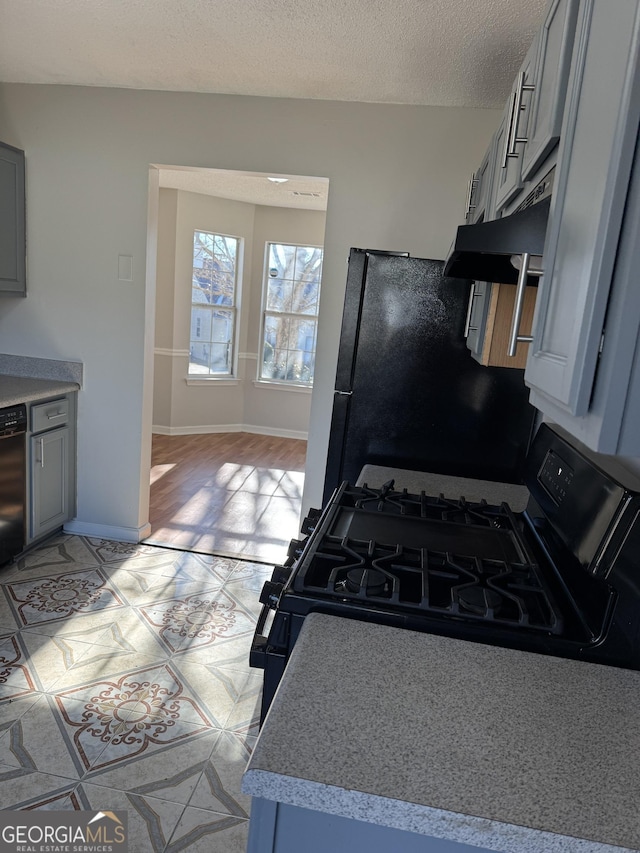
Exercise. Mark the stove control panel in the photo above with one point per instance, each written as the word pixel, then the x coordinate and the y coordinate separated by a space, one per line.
pixel 556 476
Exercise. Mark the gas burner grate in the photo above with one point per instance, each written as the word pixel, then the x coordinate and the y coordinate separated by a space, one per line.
pixel 428 581
pixel 432 507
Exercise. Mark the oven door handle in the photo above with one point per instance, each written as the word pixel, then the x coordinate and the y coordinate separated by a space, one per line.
pixel 258 653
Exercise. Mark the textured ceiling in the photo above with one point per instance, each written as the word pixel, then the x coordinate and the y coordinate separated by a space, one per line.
pixel 442 52
pixel 251 187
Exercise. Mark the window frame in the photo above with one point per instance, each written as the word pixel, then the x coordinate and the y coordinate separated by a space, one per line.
pixel 233 309
pixel 265 312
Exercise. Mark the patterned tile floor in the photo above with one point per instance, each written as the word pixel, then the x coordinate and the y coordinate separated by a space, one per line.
pixel 125 684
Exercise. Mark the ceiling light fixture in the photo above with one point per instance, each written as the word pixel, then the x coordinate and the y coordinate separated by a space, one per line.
pixel 278 180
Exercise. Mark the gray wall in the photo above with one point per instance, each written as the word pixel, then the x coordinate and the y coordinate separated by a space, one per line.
pixel 218 405
pixel 397 181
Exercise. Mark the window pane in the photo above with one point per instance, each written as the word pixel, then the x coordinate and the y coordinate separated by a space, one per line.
pixel 292 288
pixel 282 258
pixel 299 366
pixel 305 298
pixel 225 249
pixel 202 247
pixel 222 287
pixel 213 284
pixel 222 326
pixel 199 357
pixel 200 323
pixel 279 295
pixel 220 360
pixel 274 354
pixel 277 331
pixel 211 345
pixel 308 264
pixel 289 349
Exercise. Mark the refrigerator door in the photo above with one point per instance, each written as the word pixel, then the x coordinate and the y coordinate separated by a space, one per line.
pixel 418 400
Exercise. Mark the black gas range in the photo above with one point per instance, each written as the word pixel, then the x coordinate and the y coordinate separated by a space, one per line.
pixel 560 578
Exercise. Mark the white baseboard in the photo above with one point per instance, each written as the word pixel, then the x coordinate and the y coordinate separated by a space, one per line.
pixel 215 429
pixel 108 531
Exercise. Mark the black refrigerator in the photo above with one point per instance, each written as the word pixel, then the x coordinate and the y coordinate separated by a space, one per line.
pixel 408 394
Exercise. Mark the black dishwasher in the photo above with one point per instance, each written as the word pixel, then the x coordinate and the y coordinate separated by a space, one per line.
pixel 13 481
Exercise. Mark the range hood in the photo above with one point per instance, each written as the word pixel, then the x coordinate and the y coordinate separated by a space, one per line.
pixel 483 251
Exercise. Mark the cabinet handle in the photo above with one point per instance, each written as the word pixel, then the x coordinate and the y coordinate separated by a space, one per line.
pixel 468 207
pixel 59 415
pixel 41 441
pixel 467 322
pixel 515 337
pixel 507 131
pixel 514 139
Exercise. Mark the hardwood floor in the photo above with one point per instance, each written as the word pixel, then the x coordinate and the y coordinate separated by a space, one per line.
pixel 234 494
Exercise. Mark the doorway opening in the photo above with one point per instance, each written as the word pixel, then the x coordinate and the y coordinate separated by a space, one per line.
pixel 238 267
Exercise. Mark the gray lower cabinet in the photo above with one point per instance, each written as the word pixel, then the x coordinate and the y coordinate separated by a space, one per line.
pixel 51 466
pixel 477 317
pixel 280 828
pixel 583 367
pixel 12 221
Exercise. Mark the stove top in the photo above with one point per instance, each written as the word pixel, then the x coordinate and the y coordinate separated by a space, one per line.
pixel 560 578
pixel 445 558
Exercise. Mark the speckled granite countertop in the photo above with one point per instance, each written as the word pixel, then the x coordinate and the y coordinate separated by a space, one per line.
pixel 451 487
pixel 506 750
pixel 21 389
pixel 24 379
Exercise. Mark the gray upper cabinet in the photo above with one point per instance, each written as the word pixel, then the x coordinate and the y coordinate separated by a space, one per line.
pixel 583 363
pixel 512 133
pixel 480 206
pixel 12 221
pixel 555 44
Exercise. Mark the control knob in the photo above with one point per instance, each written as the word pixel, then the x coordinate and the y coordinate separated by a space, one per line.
pixel 295 548
pixel 270 594
pixel 309 524
pixel 281 574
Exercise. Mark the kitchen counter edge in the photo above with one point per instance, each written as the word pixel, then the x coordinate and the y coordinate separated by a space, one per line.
pixel 21 389
pixel 283 779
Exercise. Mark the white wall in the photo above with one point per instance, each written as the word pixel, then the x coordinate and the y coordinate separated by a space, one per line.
pixel 201 406
pixel 268 406
pixel 214 405
pixel 397 181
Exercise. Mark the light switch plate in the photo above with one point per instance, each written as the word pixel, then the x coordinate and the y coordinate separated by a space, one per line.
pixel 125 267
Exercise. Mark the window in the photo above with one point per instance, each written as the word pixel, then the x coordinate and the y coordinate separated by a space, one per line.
pixel 291 292
pixel 213 304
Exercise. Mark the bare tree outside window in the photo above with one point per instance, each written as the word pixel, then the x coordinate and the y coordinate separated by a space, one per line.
pixel 290 324
pixel 213 304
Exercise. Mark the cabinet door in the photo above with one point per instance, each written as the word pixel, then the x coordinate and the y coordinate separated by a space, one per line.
pixel 49 481
pixel 477 316
pixel 12 221
pixel 598 139
pixel 481 208
pixel 552 74
pixel 512 130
